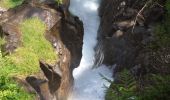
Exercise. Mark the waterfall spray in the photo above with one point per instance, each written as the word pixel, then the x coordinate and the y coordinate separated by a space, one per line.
pixel 88 83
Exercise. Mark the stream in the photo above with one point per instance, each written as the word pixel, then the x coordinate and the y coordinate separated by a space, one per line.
pixel 88 83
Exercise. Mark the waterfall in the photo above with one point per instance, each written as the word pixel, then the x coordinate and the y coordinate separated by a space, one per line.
pixel 88 83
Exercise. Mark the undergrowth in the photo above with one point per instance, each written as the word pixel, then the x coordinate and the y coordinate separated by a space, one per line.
pixel 9 90
pixel 152 86
pixel 123 90
pixel 162 31
pixel 129 89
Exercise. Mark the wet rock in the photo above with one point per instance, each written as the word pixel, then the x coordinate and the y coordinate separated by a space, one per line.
pixel 45 87
pixel 69 46
pixel 54 79
pixel 122 37
pixel 22 82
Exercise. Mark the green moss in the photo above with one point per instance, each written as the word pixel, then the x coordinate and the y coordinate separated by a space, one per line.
pixel 59 2
pixel 10 3
pixel 25 60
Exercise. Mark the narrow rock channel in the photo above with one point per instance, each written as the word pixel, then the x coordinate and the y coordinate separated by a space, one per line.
pixel 88 83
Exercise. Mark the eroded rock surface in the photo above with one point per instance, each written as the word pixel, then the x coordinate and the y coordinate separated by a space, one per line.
pixel 64 31
pixel 124 34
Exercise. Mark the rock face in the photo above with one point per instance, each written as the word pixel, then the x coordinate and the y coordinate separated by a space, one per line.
pixel 125 29
pixel 64 31
pixel 2 10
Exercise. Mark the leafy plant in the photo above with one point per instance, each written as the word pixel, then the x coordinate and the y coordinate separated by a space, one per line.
pixel 124 90
pixel 158 88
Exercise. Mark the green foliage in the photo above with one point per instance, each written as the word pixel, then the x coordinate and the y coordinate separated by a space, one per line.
pixel 35 47
pixel 13 3
pixel 10 3
pixel 59 2
pixel 158 88
pixel 124 90
pixel 35 42
pixel 168 6
pixel 2 41
pixel 25 60
pixel 162 31
pixel 9 90
pixel 154 86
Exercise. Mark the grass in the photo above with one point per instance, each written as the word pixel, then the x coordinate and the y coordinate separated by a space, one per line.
pixel 25 60
pixel 35 47
pixel 9 90
pixel 10 3
pixel 2 41
pixel 34 40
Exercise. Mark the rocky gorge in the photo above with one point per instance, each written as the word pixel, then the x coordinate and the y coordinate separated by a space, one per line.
pixel 128 39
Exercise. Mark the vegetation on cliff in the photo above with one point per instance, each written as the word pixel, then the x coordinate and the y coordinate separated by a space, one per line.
pixel 153 84
pixel 25 60
pixel 150 87
pixel 10 3
pixel 13 3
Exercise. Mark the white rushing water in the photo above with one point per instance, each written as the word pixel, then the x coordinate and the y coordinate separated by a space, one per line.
pixel 88 84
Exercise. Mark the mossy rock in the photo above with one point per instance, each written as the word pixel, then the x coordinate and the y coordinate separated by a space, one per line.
pixel 25 60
